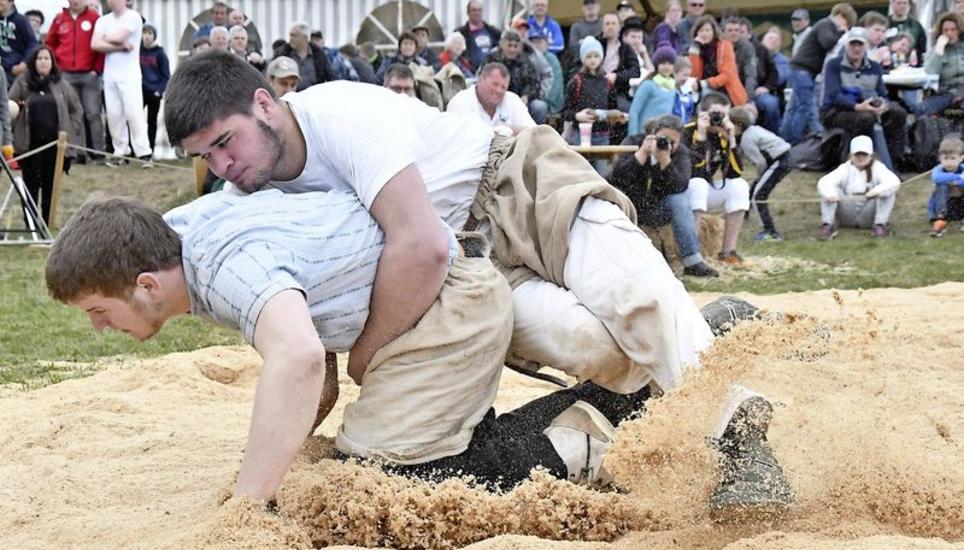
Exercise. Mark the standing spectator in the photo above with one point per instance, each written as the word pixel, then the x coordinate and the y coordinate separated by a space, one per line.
pixel 668 32
pixel 283 75
pixel 371 55
pixel 313 64
pixel 625 10
pixel 407 53
pixel 480 37
pixel 155 72
pixel 220 39
pixel 362 68
pixel 771 156
pixel 17 38
pixel 555 96
pixel 633 34
pixel 236 17
pixel 946 175
pixel 877 50
pixel 523 80
pixel 48 105
pixel 655 178
pixel 542 68
pixel 219 18
pixel 714 63
pixel 69 38
pixel 490 100
pixel 589 25
pixel 541 21
pixel 900 22
pixel 118 35
pixel 946 59
pixel 807 63
pixel 656 95
pixel 855 99
pixel 36 19
pixel 424 50
pixel 694 10
pixel 591 97
pixel 238 44
pixel 455 53
pixel 859 193
pixel 800 23
pixel 620 61
pixel 341 68
pixel 712 140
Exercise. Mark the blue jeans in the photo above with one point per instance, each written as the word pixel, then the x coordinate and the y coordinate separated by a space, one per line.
pixel 937 205
pixel 800 109
pixel 539 110
pixel 674 209
pixel 769 107
pixel 934 105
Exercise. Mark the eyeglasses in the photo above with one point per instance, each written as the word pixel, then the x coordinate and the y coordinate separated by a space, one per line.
pixel 697 5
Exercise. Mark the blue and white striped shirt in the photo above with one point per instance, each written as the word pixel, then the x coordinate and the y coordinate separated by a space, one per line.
pixel 240 251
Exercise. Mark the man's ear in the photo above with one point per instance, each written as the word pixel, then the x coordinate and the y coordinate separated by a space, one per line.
pixel 264 103
pixel 150 283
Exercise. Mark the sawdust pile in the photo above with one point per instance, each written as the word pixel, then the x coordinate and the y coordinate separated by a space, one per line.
pixel 867 427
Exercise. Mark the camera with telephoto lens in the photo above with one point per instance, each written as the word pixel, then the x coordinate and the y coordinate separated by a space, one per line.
pixel 662 143
pixel 716 118
pixel 876 102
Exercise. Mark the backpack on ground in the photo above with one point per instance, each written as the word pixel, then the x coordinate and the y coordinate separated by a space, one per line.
pixel 925 139
pixel 820 153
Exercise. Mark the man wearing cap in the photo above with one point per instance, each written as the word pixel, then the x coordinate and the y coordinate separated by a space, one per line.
pixel 422 48
pixel 490 100
pixel 541 22
pixel 694 10
pixel 800 22
pixel 283 75
pixel 554 94
pixel 589 25
pixel 855 98
pixel 480 37
pixel 807 63
pixel 625 9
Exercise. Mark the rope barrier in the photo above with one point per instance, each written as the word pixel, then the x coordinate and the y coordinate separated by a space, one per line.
pixel 152 163
pixel 33 151
pixel 818 200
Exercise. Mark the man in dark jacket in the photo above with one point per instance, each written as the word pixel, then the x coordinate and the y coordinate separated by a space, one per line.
pixel 480 37
pixel 364 69
pixel 16 40
pixel 766 95
pixel 807 64
pixel 655 178
pixel 523 78
pixel 155 73
pixel 312 61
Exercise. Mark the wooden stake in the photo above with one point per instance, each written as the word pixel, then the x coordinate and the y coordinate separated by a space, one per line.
pixel 58 173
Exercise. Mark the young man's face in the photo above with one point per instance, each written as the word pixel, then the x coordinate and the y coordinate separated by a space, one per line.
pixel 876 33
pixel 951 161
pixel 633 39
pixel 147 38
pixel 284 84
pixel 421 38
pixel 135 317
pixel 35 23
pixel 732 32
pixel 242 149
pixel 900 8
pixel 407 48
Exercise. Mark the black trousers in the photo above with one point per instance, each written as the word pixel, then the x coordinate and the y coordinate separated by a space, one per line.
pixel 505 448
pixel 763 186
pixel 38 177
pixel 861 123
pixel 153 104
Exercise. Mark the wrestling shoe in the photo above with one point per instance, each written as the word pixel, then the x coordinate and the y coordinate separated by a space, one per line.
pixel 724 312
pixel 827 232
pixel 879 231
pixel 938 228
pixel 752 484
pixel 700 270
pixel 581 435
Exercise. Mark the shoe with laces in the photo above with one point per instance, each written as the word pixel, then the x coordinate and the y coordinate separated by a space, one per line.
pixel 938 228
pixel 700 270
pixel 730 258
pixel 827 232
pixel 879 231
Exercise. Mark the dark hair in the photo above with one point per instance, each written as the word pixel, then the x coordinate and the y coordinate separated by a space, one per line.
pixel 348 50
pixel 34 81
pixel 657 123
pixel 406 36
pixel 494 66
pixel 105 246
pixel 732 20
pixel 36 13
pixel 710 99
pixel 316 34
pixel 873 18
pixel 704 20
pixel 200 40
pixel 631 24
pixel 398 70
pixel 210 86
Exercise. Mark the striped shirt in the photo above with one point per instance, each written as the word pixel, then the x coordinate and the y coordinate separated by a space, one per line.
pixel 240 251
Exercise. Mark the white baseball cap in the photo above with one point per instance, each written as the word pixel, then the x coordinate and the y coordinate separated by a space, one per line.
pixel 282 67
pixel 861 144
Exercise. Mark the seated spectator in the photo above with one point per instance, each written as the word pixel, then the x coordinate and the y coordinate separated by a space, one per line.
pixel 657 94
pixel 655 179
pixel 714 63
pixel 399 79
pixel 407 53
pixel 877 48
pixel 480 37
pixel 948 178
pixel 902 52
pixel 155 73
pixel 591 98
pixel 901 22
pixel 283 75
pixel 767 94
pixel 632 33
pixel 238 45
pixel 946 59
pixel 455 53
pixel 313 65
pixel 589 25
pixel 523 81
pixel 219 38
pixel 712 140
pixel 625 9
pixel 554 96
pixel 361 65
pixel 200 44
pixel 543 70
pixel 859 193
pixel 541 21
pixel 219 18
pixel 236 17
pixel 771 156
pixel 490 100
pixel 341 68
pixel 687 96
pixel 800 24
pixel 371 55
pixel 667 33
pixel 423 49
pixel 855 99
pixel 773 41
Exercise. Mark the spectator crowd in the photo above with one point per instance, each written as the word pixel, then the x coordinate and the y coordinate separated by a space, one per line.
pixel 700 95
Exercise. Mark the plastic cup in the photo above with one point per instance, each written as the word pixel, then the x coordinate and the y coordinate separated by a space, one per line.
pixel 585 134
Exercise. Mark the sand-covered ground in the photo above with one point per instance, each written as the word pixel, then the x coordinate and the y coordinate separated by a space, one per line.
pixel 869 428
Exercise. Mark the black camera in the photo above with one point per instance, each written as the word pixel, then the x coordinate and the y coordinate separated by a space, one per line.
pixel 662 143
pixel 716 118
pixel 876 102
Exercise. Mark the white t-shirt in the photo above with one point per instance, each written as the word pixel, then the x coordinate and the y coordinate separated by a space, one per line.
pixel 359 136
pixel 120 66
pixel 510 112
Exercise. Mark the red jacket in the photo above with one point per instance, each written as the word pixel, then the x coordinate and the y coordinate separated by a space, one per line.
pixel 69 39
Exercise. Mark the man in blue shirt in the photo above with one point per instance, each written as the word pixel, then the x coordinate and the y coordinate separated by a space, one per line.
pixel 541 22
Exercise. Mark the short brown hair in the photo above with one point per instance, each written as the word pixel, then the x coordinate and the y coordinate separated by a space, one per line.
pixel 742 116
pixel 847 11
pixel 105 246
pixel 951 146
pixel 873 18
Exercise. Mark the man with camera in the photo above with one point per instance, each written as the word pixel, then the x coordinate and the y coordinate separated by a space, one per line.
pixel 714 148
pixel 855 99
pixel 655 178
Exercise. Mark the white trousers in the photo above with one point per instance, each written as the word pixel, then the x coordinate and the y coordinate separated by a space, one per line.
pixel 125 108
pixel 624 319
pixel 733 196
